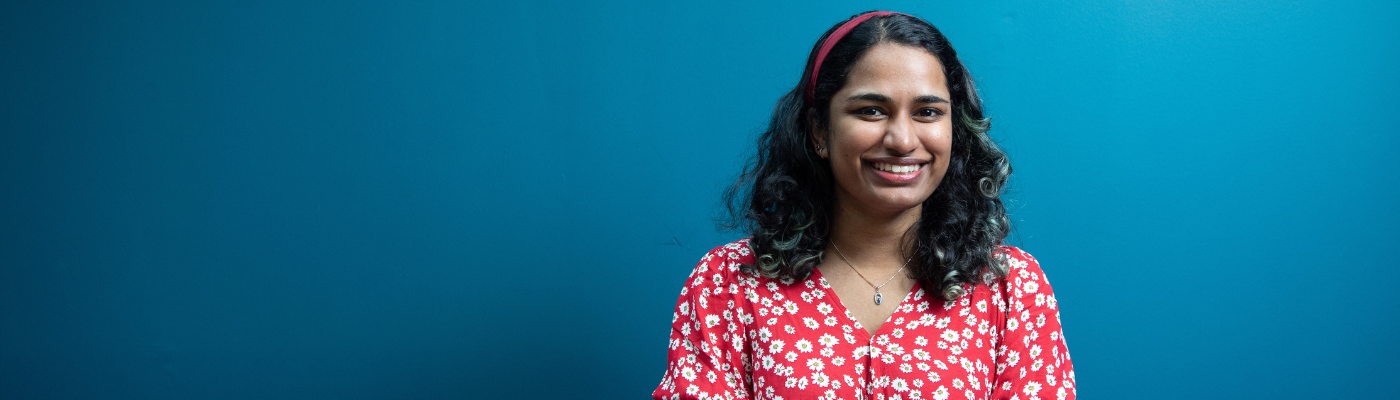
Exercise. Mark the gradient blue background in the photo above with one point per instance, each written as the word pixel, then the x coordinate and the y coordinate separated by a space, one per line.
pixel 358 200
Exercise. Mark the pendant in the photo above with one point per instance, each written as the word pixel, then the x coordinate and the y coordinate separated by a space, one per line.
pixel 877 297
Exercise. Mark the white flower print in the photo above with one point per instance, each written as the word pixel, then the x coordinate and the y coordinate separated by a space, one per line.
pixel 921 354
pixel 711 320
pixel 860 352
pixel 743 335
pixel 1030 286
pixel 1031 388
pixel 821 379
pixel 941 393
pixel 899 385
pixel 950 335
pixel 933 377
pixel 894 348
pixel 803 345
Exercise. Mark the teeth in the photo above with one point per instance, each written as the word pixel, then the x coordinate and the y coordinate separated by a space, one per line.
pixel 898 169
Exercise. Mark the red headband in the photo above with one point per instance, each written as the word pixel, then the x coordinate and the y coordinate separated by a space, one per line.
pixel 830 42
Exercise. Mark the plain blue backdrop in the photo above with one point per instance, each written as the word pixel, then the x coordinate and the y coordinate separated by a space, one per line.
pixel 362 200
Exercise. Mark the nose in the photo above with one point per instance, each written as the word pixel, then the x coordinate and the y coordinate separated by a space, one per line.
pixel 900 138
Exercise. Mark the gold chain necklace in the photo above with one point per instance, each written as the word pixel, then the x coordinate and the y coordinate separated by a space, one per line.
pixel 878 298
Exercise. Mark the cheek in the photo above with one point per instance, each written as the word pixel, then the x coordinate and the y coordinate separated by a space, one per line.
pixel 940 142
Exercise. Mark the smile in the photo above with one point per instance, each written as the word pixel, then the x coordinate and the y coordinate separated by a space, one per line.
pixel 898 169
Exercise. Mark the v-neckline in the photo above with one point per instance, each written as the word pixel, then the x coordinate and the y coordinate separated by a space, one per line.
pixel 821 281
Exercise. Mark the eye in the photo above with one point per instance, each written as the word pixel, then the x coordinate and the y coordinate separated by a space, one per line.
pixel 928 113
pixel 869 112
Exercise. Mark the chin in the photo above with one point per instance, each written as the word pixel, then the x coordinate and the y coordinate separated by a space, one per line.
pixel 901 201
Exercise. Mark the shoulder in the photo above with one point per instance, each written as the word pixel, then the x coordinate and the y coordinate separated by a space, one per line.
pixel 1016 259
pixel 1023 272
pixel 728 256
pixel 722 263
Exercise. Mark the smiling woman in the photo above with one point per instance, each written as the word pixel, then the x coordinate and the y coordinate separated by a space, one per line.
pixel 880 155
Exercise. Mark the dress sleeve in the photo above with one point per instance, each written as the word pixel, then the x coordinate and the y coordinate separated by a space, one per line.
pixel 1032 360
pixel 707 358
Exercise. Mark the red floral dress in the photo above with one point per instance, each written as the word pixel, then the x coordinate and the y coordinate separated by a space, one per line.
pixel 745 336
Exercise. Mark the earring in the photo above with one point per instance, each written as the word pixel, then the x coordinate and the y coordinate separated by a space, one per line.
pixel 819 148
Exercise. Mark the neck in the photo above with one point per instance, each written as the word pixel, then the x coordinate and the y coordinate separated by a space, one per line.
pixel 876 239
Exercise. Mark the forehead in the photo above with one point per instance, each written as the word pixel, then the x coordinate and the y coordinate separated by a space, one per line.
pixel 897 70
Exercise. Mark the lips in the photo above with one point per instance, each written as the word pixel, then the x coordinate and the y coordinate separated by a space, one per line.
pixel 897 168
pixel 897 171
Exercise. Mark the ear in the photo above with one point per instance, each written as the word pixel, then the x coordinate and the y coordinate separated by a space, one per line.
pixel 817 136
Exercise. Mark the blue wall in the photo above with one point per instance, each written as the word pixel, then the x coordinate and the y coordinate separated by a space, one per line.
pixel 268 199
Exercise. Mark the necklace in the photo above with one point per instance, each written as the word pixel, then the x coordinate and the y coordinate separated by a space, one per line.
pixel 878 298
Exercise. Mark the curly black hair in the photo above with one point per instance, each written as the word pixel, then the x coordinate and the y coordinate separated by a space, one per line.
pixel 784 196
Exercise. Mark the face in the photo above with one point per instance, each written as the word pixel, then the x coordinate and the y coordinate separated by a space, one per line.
pixel 890 135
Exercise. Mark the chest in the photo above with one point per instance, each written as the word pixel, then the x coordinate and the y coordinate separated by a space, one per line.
pixel 802 342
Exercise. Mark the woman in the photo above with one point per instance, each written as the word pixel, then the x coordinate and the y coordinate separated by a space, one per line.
pixel 880 157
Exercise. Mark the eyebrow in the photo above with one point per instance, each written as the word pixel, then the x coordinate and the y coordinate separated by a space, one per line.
pixel 876 97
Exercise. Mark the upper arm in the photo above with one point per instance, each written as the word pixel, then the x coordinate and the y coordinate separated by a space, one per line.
pixel 705 355
pixel 1032 359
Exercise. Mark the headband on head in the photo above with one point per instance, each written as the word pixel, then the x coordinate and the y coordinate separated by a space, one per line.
pixel 830 42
